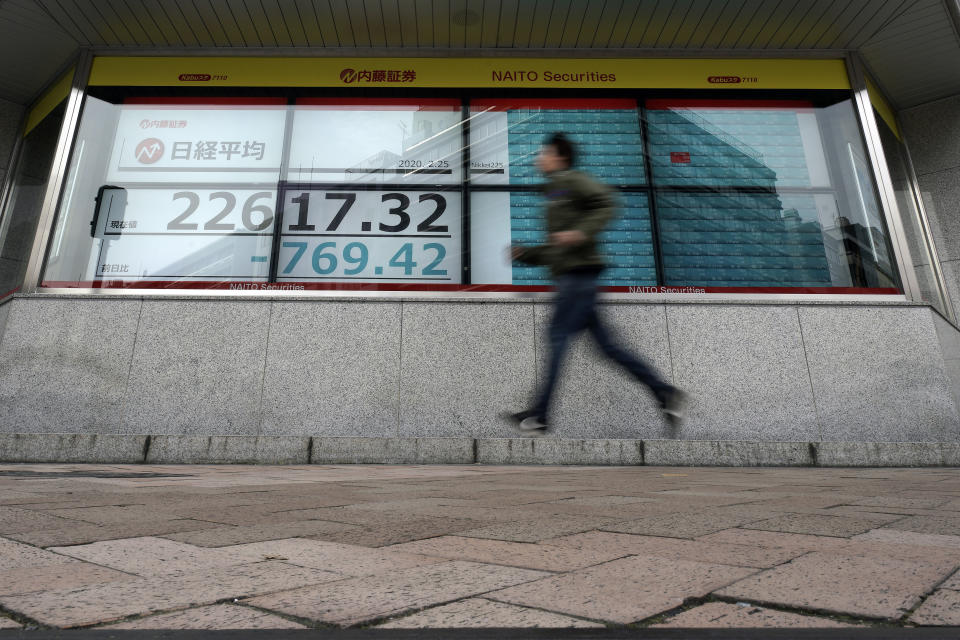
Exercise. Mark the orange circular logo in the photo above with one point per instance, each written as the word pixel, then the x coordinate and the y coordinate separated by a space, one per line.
pixel 149 150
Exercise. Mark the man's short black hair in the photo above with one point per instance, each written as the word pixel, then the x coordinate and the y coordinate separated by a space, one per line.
pixel 563 146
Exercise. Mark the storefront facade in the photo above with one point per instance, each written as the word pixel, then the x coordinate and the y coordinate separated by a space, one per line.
pixel 310 252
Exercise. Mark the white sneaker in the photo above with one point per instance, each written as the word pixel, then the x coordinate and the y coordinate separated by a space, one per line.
pixel 533 423
pixel 674 408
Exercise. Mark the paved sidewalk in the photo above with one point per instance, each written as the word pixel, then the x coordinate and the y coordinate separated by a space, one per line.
pixel 242 547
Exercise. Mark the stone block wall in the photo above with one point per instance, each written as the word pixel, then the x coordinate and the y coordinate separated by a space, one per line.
pixel 777 372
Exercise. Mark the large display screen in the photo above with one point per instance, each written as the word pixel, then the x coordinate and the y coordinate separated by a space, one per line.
pixel 374 235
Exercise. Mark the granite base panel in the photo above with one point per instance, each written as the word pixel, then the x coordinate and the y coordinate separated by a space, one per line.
pixel 72 447
pixel 525 451
pixel 393 451
pixel 228 450
pixel 728 453
pixel 167 449
pixel 888 454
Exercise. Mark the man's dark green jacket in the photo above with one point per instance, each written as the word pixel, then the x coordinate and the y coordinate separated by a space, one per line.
pixel 575 202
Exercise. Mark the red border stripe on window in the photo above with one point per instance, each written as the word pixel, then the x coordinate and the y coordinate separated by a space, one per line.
pixel 419 286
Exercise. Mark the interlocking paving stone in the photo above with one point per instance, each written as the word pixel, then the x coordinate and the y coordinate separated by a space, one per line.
pixel 412 505
pixel 150 556
pixel 904 506
pixel 617 513
pixel 112 601
pixel 398 532
pixel 83 533
pixel 514 554
pixel 621 502
pixel 421 508
pixel 499 514
pixel 941 525
pixel 224 536
pixel 803 504
pixel 218 616
pixel 693 498
pixel 871 586
pixel 691 524
pixel 14 497
pixel 7 623
pixel 624 590
pixel 186 504
pixel 15 520
pixel 352 515
pixel 926 490
pixel 107 515
pixel 480 613
pixel 41 503
pixel 495 497
pixel 243 516
pixel 16 555
pixel 357 600
pixel 901 501
pixel 287 501
pixel 551 484
pixel 869 548
pixel 678 549
pixel 280 509
pixel 940 609
pixel 953 582
pixel 347 559
pixel 535 530
pixel 774 539
pixel 387 519
pixel 893 513
pixel 878 515
pixel 57 576
pixel 812 524
pixel 721 615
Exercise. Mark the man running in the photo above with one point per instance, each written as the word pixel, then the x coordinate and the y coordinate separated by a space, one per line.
pixel 578 208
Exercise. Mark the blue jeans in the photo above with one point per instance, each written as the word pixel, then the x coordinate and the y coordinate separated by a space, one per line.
pixel 574 309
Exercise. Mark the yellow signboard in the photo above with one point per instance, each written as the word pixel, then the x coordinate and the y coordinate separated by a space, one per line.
pixel 436 73
pixel 883 108
pixel 56 94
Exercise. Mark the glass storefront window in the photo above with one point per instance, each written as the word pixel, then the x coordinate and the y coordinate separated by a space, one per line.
pixel 300 192
pixel 174 191
pixel 505 138
pixel 915 230
pixel 28 187
pixel 765 194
